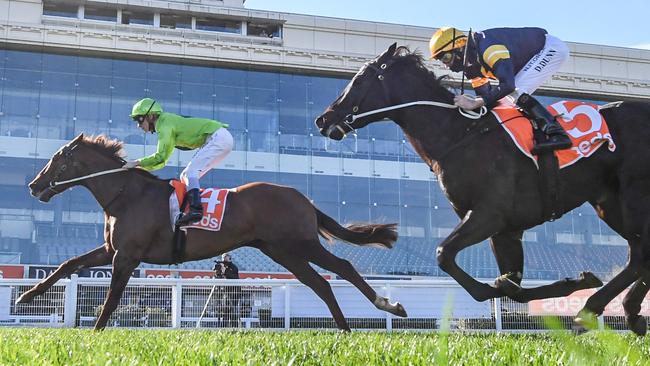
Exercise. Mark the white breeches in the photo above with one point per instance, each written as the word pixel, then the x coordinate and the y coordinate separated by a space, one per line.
pixel 208 156
pixel 541 67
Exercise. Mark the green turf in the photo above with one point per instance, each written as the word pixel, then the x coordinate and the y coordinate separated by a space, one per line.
pixel 27 346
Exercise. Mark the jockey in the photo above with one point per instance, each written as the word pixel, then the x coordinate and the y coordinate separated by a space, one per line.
pixel 210 137
pixel 520 58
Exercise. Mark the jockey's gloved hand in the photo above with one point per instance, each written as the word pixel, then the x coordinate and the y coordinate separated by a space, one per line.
pixel 131 164
pixel 468 102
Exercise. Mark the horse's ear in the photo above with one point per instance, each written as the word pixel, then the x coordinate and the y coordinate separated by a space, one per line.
pixel 389 52
pixel 78 138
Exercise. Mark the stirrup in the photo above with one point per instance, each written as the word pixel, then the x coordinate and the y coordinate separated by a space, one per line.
pixel 189 218
pixel 557 142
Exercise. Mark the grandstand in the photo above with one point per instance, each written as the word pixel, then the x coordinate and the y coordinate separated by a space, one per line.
pixel 72 66
pixel 410 256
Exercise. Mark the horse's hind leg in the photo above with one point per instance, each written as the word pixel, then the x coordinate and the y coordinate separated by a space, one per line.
pixel 96 257
pixel 632 306
pixel 299 266
pixel 634 208
pixel 321 257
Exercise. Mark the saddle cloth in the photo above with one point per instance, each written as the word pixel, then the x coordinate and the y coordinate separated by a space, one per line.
pixel 583 123
pixel 214 206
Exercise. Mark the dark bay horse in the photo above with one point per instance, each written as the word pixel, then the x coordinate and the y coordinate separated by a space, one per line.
pixel 277 220
pixel 495 190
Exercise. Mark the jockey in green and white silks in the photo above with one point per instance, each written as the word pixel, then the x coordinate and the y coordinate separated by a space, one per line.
pixel 210 137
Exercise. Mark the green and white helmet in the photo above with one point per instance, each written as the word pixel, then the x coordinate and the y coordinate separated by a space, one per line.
pixel 146 106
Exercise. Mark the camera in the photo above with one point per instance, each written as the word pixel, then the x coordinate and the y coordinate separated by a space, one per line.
pixel 219 269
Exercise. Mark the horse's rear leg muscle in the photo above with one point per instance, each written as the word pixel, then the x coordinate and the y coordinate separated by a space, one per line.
pixel 299 266
pixel 476 226
pixel 97 257
pixel 123 266
pixel 321 257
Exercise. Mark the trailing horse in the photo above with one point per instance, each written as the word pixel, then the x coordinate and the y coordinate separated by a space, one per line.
pixel 277 220
pixel 495 189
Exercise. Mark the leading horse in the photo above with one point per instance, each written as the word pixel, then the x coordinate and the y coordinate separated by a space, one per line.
pixel 277 220
pixel 495 190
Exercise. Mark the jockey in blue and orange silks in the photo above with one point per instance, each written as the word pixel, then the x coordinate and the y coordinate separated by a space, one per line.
pixel 521 59
pixel 211 139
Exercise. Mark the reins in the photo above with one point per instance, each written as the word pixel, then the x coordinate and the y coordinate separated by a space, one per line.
pixel 469 114
pixel 97 174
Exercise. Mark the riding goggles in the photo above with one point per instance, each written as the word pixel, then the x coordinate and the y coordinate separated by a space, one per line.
pixel 141 117
pixel 446 57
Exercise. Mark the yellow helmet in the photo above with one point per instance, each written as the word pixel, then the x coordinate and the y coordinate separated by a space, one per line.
pixel 446 39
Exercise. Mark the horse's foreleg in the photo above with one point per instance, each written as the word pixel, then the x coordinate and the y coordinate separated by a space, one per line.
pixel 123 267
pixel 321 257
pixel 96 257
pixel 475 227
pixel 632 306
pixel 299 266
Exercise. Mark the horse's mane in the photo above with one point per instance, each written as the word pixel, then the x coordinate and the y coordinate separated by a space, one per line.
pixel 111 148
pixel 403 55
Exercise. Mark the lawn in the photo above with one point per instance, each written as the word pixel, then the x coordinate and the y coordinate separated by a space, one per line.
pixel 30 346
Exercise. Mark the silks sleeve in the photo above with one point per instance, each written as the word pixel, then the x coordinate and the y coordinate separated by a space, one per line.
pixel 158 160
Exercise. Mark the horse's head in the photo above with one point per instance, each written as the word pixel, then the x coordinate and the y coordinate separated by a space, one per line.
pixel 395 77
pixel 61 166
pixel 366 91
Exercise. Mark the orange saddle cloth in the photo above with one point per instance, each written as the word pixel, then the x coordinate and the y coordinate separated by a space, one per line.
pixel 583 123
pixel 212 199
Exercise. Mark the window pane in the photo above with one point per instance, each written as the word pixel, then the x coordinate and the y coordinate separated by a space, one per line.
pixel 100 13
pixel 137 17
pixel 263 30
pixel 55 8
pixel 173 21
pixel 218 25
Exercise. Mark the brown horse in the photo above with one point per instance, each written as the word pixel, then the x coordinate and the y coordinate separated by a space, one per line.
pixel 277 220
pixel 496 191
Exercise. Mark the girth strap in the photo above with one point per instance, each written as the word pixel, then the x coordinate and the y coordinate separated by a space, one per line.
pixel 549 182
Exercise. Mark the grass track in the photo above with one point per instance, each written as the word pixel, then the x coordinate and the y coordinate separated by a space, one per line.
pixel 29 346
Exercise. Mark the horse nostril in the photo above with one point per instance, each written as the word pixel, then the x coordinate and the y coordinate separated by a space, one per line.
pixel 320 122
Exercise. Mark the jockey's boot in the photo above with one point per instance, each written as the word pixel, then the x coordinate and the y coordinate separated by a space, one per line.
pixel 196 209
pixel 556 137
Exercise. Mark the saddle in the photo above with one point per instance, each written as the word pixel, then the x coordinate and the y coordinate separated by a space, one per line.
pixel 585 126
pixel 214 209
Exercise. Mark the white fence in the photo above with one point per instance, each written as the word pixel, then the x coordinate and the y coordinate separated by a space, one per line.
pixel 268 304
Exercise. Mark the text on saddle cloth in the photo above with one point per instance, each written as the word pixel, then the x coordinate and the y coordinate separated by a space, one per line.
pixel 583 123
pixel 212 199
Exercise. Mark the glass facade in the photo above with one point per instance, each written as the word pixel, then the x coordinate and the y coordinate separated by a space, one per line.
pixel 46 99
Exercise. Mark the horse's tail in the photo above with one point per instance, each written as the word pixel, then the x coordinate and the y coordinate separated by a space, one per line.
pixel 380 235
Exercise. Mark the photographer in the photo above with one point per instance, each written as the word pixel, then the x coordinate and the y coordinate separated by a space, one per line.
pixel 227 296
pixel 225 268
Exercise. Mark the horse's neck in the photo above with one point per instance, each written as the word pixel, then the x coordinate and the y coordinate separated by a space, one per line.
pixel 434 132
pixel 118 190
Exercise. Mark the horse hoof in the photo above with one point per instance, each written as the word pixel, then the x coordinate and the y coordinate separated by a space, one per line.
pixel 586 320
pixel 399 310
pixel 590 280
pixel 578 329
pixel 637 324
pixel 25 298
pixel 506 285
